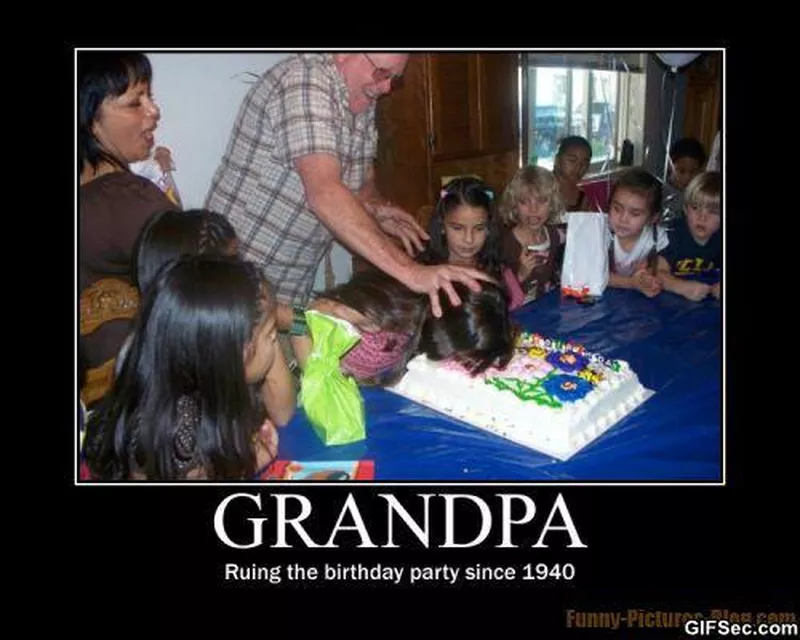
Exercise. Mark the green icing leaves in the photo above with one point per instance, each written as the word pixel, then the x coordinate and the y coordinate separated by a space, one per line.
pixel 526 391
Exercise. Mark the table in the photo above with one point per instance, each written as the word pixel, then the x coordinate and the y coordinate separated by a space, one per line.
pixel 673 344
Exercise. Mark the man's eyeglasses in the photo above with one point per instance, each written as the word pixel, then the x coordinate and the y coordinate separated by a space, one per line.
pixel 382 74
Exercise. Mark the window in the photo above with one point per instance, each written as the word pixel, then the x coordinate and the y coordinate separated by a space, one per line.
pixel 604 105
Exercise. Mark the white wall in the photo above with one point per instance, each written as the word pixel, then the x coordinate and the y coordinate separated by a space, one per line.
pixel 199 95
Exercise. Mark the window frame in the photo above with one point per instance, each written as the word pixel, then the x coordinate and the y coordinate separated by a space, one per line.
pixel 572 63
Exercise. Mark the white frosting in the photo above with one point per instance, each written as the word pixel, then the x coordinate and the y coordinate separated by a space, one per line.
pixel 559 432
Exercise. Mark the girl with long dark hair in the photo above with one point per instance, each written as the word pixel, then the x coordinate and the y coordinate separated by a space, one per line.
pixel 202 374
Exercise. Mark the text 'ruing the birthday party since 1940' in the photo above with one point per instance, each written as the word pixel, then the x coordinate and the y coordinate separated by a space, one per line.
pixel 398 574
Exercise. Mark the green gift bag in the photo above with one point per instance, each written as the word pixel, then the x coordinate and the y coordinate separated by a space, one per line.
pixel 331 399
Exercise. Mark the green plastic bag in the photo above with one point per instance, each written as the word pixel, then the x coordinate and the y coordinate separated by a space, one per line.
pixel 331 399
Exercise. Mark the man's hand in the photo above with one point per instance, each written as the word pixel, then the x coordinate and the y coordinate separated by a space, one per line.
pixel 429 279
pixel 397 222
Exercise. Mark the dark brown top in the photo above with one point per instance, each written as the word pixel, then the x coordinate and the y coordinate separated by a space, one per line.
pixel 543 276
pixel 581 204
pixel 112 208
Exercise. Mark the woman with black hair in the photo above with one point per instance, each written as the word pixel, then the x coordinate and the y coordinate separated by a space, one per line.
pixel 116 120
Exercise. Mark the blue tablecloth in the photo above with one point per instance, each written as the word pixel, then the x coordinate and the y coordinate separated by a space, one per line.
pixel 674 345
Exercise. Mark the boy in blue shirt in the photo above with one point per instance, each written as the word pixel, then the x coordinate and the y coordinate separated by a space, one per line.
pixel 691 264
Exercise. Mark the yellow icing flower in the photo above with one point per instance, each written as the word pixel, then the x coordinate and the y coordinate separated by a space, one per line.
pixel 590 376
pixel 537 352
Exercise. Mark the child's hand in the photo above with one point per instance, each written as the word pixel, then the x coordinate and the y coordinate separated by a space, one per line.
pixel 338 310
pixel 715 290
pixel 266 444
pixel 696 291
pixel 527 261
pixel 647 283
pixel 163 157
pixel 541 257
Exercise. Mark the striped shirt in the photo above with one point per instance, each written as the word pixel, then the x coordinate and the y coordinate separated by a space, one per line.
pixel 298 107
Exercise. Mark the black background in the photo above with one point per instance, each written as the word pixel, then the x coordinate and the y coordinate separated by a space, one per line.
pixel 136 549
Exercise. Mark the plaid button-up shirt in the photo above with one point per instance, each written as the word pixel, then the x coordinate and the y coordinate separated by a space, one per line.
pixel 298 107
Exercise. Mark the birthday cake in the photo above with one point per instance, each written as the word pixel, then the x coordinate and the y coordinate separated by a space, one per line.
pixel 553 396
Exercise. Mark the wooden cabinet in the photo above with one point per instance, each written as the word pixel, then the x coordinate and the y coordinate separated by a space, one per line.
pixel 453 114
pixel 703 99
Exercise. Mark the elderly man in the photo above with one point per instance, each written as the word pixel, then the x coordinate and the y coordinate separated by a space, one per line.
pixel 298 173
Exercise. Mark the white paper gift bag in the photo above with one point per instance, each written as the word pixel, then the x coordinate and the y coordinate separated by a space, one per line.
pixel 585 270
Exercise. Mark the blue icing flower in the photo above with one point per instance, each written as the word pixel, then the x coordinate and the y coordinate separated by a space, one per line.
pixel 567 388
pixel 567 361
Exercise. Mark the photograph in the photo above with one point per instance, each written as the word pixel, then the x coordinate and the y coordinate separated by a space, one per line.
pixel 377 321
pixel 463 267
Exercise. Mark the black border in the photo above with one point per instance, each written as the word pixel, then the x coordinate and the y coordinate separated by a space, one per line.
pixel 669 548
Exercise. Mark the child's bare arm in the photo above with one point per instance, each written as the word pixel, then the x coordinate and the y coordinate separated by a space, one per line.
pixel 278 390
pixel 301 345
pixel 642 280
pixel 621 282
pixel 285 316
pixel 689 289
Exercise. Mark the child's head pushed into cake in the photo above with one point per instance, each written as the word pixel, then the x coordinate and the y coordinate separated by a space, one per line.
pixel 464 228
pixel 186 404
pixel 478 334
pixel 396 324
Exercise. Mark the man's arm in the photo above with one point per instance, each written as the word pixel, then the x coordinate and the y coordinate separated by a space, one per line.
pixel 391 218
pixel 368 195
pixel 342 213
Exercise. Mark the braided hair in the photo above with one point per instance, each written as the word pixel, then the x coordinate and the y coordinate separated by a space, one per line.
pixel 182 403
pixel 168 235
